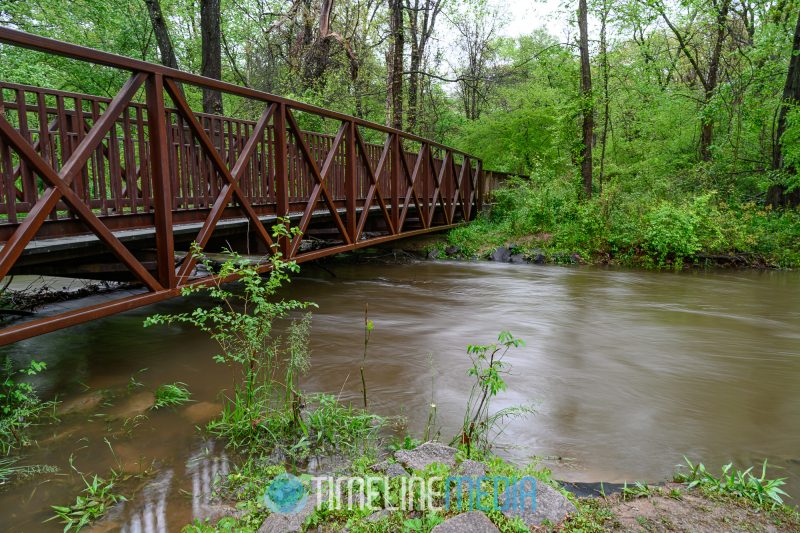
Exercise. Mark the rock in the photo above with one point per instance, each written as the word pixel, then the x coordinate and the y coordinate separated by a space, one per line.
pixel 426 454
pixel 201 412
pixel 501 255
pixel 79 404
pixel 289 522
pixel 517 258
pixel 538 256
pixel 135 404
pixel 216 511
pixel 551 505
pixel 390 469
pixel 377 516
pixel 576 258
pixel 472 522
pixel 433 254
pixel 471 468
pixel 452 250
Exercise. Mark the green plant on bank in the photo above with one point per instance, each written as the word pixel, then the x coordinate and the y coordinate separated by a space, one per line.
pixel 20 407
pixel 656 228
pixel 637 490
pixel 760 490
pixel 488 369
pixel 171 394
pixel 242 323
pixel 368 327
pixel 95 500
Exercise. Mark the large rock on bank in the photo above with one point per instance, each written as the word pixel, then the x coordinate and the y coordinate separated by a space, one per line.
pixel 472 522
pixel 551 505
pixel 426 454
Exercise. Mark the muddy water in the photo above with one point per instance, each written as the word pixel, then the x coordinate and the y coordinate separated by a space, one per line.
pixel 629 371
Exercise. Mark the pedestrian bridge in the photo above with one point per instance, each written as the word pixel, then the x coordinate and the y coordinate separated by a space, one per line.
pixel 119 188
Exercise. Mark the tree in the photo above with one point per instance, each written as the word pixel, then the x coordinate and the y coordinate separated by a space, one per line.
pixel 776 195
pixel 211 33
pixel 477 27
pixel 317 58
pixel 161 32
pixel 395 67
pixel 587 105
pixel 710 78
pixel 421 22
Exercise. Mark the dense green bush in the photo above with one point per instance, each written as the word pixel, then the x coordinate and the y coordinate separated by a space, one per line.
pixel 644 229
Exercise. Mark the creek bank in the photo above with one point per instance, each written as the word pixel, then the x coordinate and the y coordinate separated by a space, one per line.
pixel 559 506
pixel 525 250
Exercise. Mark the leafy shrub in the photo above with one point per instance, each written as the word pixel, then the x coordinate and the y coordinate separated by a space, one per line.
pixel 671 233
pixel 20 407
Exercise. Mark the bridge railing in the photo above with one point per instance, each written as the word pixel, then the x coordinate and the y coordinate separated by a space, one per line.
pixel 73 163
pixel 116 179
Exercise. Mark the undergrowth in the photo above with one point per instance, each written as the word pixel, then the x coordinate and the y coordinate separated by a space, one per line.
pixel 653 229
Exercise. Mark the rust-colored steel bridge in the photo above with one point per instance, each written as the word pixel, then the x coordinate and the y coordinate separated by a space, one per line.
pixel 119 188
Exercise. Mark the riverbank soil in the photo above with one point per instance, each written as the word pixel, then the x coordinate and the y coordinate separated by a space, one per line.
pixel 673 507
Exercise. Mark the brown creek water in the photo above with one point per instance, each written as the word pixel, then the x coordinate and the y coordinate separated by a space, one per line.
pixel 629 372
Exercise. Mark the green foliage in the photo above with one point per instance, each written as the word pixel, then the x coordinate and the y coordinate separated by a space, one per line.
pixel 630 228
pixel 242 323
pixel 637 490
pixel 760 490
pixel 488 369
pixel 171 394
pixel 20 407
pixel 670 233
pixel 95 500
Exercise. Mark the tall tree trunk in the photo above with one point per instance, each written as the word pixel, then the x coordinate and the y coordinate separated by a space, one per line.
pixel 167 52
pixel 606 98
pixel 776 194
pixel 586 100
pixel 421 21
pixel 414 64
pixel 397 43
pixel 212 53
pixel 710 86
pixel 791 96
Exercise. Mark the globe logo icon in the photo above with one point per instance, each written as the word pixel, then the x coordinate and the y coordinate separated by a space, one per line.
pixel 285 494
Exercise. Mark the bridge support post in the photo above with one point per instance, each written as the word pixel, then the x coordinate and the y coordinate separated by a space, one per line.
pixel 161 182
pixel 481 186
pixel 395 181
pixel 281 176
pixel 350 180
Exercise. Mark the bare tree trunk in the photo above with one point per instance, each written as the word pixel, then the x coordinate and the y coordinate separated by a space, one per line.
pixel 212 52
pixel 167 52
pixel 776 194
pixel 586 99
pixel 398 42
pixel 707 129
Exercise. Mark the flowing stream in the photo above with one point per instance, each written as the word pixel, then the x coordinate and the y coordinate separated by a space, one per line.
pixel 629 371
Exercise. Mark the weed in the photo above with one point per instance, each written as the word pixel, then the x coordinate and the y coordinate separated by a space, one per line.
pixel 171 394
pixel 94 501
pixel 637 490
pixel 488 369
pixel 20 407
pixel 759 490
pixel 10 470
pixel 406 443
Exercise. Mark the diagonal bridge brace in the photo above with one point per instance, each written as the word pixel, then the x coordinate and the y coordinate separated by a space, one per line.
pixel 58 188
